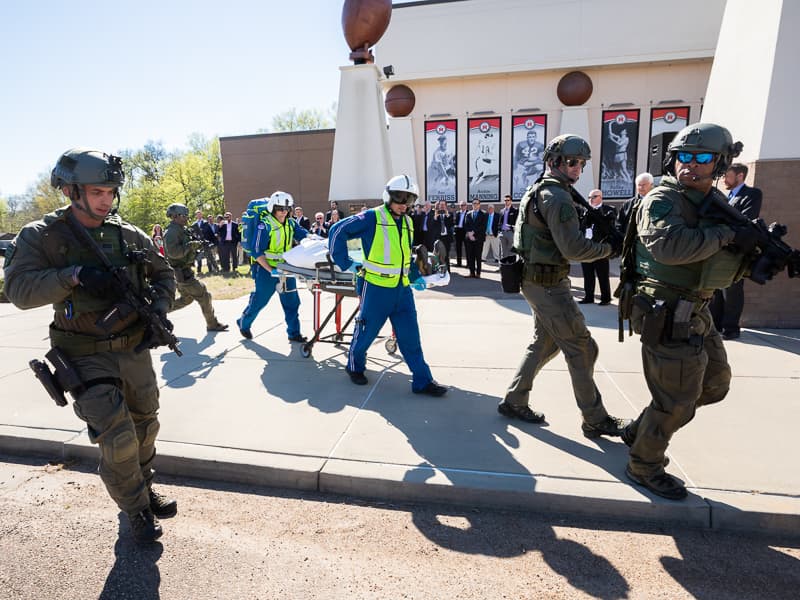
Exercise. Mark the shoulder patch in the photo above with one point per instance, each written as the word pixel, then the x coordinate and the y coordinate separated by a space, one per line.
pixel 566 213
pixel 262 226
pixel 659 208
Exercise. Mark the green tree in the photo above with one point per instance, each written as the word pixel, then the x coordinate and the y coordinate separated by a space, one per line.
pixel 303 120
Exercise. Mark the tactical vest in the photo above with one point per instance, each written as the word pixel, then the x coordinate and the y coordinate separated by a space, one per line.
pixel 178 235
pixel 532 238
pixel 115 237
pixel 389 259
pixel 703 277
pixel 280 239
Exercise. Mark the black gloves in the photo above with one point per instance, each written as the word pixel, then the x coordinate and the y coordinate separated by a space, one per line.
pixel 745 238
pixel 98 282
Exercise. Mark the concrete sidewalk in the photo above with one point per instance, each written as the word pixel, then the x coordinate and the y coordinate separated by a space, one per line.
pixel 258 412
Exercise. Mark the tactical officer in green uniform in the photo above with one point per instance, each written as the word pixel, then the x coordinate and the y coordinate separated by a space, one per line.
pixel 547 235
pixel 181 250
pixel 118 394
pixel 680 258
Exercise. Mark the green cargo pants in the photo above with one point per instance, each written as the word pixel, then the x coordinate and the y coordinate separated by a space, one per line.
pixel 191 289
pixel 558 325
pixel 681 376
pixel 122 421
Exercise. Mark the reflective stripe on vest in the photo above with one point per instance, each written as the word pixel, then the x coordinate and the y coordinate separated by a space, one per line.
pixel 389 259
pixel 280 239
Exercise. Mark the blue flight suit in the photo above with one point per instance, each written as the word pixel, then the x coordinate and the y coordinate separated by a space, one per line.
pixel 266 283
pixel 379 303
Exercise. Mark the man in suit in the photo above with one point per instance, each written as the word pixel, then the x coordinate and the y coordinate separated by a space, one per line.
pixel 334 208
pixel 301 219
pixel 475 234
pixel 644 183
pixel 727 305
pixel 443 228
pixel 228 235
pixel 459 220
pixel 492 241
pixel 205 231
pixel 424 227
pixel 508 218
pixel 599 267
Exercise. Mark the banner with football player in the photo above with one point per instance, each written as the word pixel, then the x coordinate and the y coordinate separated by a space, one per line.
pixel 619 140
pixel 440 161
pixel 528 135
pixel 483 159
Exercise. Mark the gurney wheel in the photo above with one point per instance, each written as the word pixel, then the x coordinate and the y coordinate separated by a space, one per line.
pixel 305 351
pixel 339 337
pixel 391 345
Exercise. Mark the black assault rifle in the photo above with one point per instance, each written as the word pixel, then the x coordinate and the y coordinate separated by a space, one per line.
pixel 771 254
pixel 602 225
pixel 157 327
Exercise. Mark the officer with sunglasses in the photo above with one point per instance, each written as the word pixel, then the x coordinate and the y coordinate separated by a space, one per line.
pixel 681 256
pixel 547 235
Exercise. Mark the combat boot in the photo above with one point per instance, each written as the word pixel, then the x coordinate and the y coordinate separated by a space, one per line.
pixel 145 527
pixel 161 506
pixel 662 484
pixel 217 327
pixel 523 413
pixel 611 426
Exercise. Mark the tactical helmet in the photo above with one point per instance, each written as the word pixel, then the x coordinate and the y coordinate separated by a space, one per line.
pixel 280 199
pixel 704 137
pixel 81 166
pixel 566 145
pixel 399 184
pixel 173 210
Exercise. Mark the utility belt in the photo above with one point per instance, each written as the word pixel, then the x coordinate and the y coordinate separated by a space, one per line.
pixel 545 275
pixel 658 319
pixel 66 378
pixel 78 344
pixel 183 274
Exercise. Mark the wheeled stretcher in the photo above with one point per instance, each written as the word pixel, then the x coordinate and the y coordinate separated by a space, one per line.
pixel 324 277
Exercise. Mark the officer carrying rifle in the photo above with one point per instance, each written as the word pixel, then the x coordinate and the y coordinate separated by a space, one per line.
pixel 683 242
pixel 110 290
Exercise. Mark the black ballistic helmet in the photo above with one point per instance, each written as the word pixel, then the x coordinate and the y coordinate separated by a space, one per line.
pixel 81 166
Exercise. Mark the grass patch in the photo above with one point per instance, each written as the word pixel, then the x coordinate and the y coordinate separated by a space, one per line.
pixel 229 286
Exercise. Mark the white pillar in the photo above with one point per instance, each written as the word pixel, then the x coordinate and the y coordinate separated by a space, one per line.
pixel 575 120
pixel 401 145
pixel 361 161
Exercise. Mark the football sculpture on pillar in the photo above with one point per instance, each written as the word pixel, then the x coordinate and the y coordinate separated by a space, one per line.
pixel 364 22
pixel 361 163
pixel 574 90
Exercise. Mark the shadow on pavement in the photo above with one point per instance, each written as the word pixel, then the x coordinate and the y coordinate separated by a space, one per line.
pixel 135 573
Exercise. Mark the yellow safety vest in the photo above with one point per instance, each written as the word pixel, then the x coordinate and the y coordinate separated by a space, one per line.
pixel 389 256
pixel 280 239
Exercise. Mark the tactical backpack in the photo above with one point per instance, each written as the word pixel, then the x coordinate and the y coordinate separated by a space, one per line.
pixel 248 226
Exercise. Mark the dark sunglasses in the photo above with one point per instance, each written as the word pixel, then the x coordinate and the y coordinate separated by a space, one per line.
pixel 701 158
pixel 571 162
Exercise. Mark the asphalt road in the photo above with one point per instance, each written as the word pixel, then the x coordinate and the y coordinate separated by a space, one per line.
pixel 62 537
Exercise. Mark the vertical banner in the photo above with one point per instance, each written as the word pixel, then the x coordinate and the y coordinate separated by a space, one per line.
pixel 528 134
pixel 620 138
pixel 483 159
pixel 440 161
pixel 663 120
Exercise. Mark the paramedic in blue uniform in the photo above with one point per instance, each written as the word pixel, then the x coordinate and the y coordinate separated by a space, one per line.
pixel 273 236
pixel 383 281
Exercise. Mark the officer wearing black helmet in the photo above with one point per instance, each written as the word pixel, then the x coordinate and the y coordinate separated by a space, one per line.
pixel 181 251
pixel 548 235
pixel 681 256
pixel 118 393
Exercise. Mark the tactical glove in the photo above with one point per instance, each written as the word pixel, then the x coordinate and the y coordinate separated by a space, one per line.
pixel 98 282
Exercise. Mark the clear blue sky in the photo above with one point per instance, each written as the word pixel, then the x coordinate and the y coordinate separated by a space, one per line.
pixel 113 75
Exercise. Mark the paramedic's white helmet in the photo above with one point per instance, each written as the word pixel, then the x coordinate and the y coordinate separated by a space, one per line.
pixel 280 199
pixel 400 189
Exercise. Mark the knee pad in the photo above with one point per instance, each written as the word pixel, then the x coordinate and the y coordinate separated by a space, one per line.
pixel 120 445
